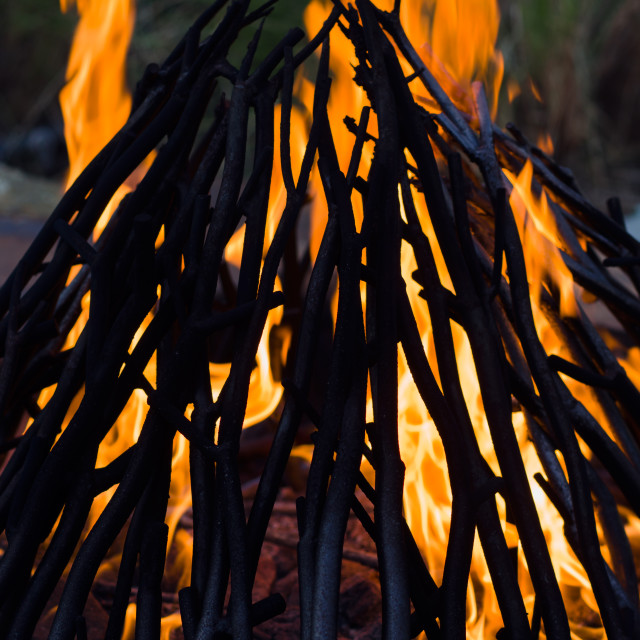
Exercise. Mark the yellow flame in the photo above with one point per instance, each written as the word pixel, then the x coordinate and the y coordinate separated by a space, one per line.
pixel 95 101
pixel 540 239
pixel 96 104
pixel 129 631
pixel 457 42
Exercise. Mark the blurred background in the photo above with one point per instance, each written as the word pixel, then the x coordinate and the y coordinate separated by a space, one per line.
pixel 576 63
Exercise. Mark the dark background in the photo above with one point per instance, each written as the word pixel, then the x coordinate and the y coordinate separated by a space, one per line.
pixel 583 55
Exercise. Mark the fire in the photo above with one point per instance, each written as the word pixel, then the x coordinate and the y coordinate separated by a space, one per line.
pixel 513 90
pixel 539 233
pixel 95 101
pixel 95 105
pixel 545 142
pixel 457 42
pixel 535 90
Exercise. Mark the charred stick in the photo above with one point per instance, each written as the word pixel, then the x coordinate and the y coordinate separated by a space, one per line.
pixel 526 147
pixel 45 428
pixel 242 362
pixel 461 467
pixel 546 450
pixel 69 235
pixel 621 261
pixel 595 218
pixel 625 307
pixel 13 338
pixel 187 613
pixel 391 23
pixel 81 628
pixel 333 524
pixel 274 58
pixel 225 214
pixel 210 618
pixel 615 211
pixel 233 407
pixel 383 256
pixel 617 541
pixel 461 213
pixel 285 122
pixel 585 231
pixel 257 208
pixel 435 296
pixel 604 386
pixel 200 23
pixel 228 489
pixel 268 608
pixel 546 382
pixel 605 449
pixel 107 527
pixel 202 474
pixel 320 471
pixel 46 238
pixel 361 137
pixel 424 591
pixel 261 12
pixel 126 571
pixel 319 38
pixel 344 411
pixel 52 565
pixel 458 559
pixel 101 193
pixel 562 502
pixel 304 357
pixel 482 335
pixel 149 602
pixel 105 477
pixel 155 536
pixel 624 390
pixel 229 496
pixel 216 46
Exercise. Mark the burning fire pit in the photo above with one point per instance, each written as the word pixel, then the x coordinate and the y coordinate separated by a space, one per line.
pixel 364 275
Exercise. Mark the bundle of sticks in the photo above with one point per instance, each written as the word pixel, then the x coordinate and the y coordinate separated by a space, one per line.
pixel 160 286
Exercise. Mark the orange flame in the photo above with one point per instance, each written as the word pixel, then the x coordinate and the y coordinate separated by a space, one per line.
pixel 95 101
pixel 541 240
pixel 535 91
pixel 459 43
pixel 457 40
pixel 545 143
pixel 513 90
pixel 96 104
